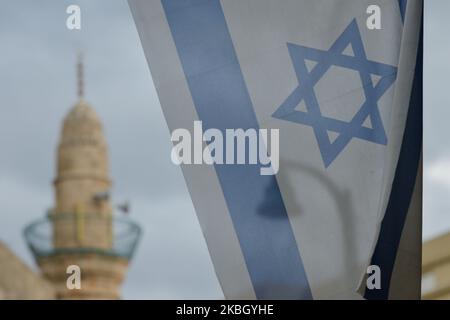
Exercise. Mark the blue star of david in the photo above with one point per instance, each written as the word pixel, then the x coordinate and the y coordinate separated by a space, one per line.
pixel 305 92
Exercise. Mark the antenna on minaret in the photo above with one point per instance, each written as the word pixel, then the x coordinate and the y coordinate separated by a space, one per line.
pixel 80 76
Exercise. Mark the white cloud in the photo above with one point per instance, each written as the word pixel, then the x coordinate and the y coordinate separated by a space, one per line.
pixel 439 172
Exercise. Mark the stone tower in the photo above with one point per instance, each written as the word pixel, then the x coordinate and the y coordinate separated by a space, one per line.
pixel 83 230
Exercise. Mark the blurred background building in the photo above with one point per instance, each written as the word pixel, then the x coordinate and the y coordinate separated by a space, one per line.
pixel 18 281
pixel 37 82
pixel 80 230
pixel 436 268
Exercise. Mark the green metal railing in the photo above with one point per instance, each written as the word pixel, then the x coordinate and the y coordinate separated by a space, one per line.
pixel 124 236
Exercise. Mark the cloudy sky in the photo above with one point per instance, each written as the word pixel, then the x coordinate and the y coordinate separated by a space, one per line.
pixel 436 112
pixel 38 87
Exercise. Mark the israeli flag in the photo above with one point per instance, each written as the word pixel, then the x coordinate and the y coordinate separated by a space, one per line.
pixel 341 219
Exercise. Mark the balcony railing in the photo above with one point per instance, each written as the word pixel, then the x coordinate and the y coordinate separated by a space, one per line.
pixel 75 234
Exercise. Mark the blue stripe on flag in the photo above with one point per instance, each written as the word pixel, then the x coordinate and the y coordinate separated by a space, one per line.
pixel 402 188
pixel 222 101
pixel 402 4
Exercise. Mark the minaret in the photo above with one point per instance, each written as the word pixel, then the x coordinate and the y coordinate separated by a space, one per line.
pixel 82 183
pixel 81 221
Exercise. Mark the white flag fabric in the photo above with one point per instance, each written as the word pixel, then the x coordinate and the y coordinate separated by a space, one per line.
pixel 347 101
